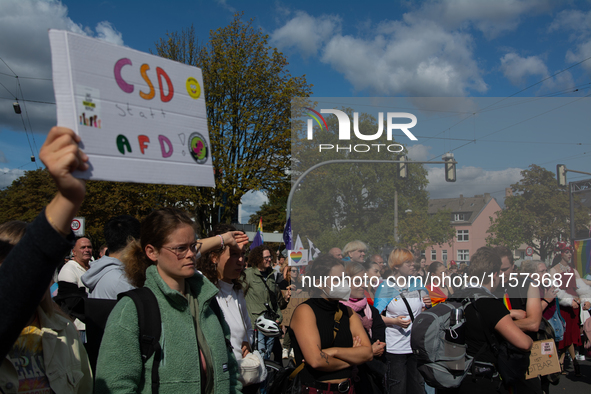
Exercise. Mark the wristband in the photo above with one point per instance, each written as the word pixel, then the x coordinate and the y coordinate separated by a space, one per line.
pixel 543 299
pixel 222 240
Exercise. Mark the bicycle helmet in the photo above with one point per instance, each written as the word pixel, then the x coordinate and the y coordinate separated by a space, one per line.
pixel 269 328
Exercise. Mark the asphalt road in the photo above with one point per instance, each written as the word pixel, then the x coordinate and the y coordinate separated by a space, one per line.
pixel 571 384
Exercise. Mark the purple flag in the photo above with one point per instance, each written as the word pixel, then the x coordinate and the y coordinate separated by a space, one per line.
pixel 287 234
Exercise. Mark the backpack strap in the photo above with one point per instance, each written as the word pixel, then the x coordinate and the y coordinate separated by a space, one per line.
pixel 149 323
pixel 215 307
pixel 412 316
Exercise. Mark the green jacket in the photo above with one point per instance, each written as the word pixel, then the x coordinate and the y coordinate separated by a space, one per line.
pixel 256 293
pixel 120 368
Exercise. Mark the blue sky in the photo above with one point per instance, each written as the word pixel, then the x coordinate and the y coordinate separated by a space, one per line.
pixel 482 51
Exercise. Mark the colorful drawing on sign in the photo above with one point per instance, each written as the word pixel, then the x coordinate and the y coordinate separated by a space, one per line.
pixel 89 107
pixel 150 112
pixel 296 256
pixel 193 88
pixel 198 148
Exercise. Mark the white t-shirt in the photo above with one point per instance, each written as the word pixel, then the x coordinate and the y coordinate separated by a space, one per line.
pixel 72 272
pixel 398 338
pixel 233 305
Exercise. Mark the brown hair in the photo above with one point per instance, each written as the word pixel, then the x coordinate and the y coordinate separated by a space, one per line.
pixel 206 264
pixel 255 258
pixel 400 256
pixel 10 234
pixel 485 261
pixel 320 269
pixel 504 251
pixel 155 230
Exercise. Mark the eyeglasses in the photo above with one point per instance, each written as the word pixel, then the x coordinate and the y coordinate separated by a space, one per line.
pixel 268 258
pixel 294 270
pixel 181 251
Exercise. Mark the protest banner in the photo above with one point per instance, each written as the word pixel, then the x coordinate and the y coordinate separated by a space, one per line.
pixel 297 257
pixel 543 359
pixel 141 118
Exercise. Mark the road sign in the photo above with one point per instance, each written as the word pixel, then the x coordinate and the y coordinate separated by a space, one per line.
pixel 529 251
pixel 77 226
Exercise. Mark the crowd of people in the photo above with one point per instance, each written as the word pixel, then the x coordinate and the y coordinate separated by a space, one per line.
pixel 221 310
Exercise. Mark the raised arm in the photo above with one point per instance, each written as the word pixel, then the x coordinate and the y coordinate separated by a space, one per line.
pixel 47 240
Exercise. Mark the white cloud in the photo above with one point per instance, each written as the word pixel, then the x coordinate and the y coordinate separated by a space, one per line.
pixel 225 4
pixel 251 202
pixel 306 33
pixel 517 68
pixel 492 18
pixel 580 23
pixel 8 175
pixel 106 32
pixel 471 181
pixel 418 152
pixel 418 59
pixel 25 48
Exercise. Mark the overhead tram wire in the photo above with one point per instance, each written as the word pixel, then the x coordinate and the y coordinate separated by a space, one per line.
pixel 33 156
pixel 28 118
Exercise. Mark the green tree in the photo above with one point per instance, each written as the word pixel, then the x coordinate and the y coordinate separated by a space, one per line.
pixel 537 214
pixel 29 194
pixel 338 203
pixel 247 91
pixel 273 211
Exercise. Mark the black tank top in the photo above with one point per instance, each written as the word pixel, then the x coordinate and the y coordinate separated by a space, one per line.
pixel 324 310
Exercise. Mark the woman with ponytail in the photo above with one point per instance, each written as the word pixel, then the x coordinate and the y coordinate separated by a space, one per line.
pixel 194 355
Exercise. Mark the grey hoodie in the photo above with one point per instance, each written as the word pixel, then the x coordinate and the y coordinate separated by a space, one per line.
pixel 106 278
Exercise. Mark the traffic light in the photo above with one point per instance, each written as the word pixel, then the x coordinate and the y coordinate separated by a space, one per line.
pixel 561 174
pixel 403 168
pixel 450 167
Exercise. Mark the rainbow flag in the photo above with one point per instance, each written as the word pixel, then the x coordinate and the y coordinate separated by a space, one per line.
pixel 507 301
pixel 258 238
pixel 582 256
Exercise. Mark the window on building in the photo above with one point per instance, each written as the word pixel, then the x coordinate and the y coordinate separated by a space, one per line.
pixel 463 255
pixel 462 235
pixel 433 255
pixel 458 217
pixel 444 255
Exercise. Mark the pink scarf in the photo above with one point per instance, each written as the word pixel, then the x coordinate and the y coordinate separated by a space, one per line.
pixel 357 304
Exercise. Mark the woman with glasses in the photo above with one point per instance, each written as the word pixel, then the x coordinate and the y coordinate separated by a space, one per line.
pixel 262 294
pixel 194 356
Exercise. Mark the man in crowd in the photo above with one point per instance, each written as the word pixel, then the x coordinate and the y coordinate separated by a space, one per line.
pixel 106 277
pixel 72 273
pixel 336 252
pixel 102 251
pixel 379 260
pixel 355 251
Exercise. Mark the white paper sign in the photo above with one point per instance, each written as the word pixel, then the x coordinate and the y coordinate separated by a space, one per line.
pixel 141 118
pixel 297 257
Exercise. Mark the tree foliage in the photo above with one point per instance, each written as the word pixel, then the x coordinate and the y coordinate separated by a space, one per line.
pixel 29 194
pixel 538 214
pixel 341 202
pixel 273 211
pixel 247 91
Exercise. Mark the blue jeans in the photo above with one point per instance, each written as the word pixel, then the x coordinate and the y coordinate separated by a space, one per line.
pixel 403 376
pixel 265 345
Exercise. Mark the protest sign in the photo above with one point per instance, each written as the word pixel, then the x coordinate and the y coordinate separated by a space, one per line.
pixel 297 257
pixel 141 118
pixel 543 359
